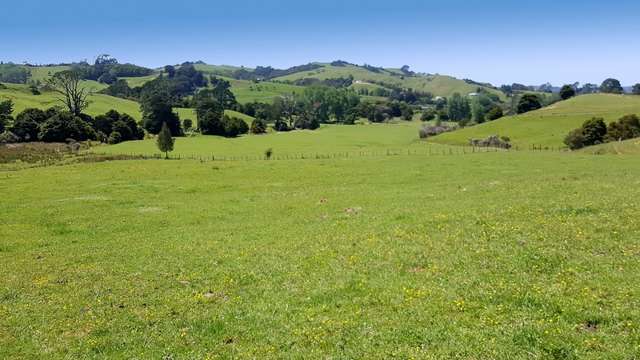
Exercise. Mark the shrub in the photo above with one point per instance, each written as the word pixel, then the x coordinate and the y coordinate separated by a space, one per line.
pixel 268 153
pixel 8 137
pixel 592 132
pixel 428 115
pixel 575 139
pixel 428 130
pixel 114 138
pixel 627 127
pixel 492 141
pixel 187 124
pixel 210 123
pixel 494 113
pixel 528 102
pixel 27 124
pixel 63 126
pixel 281 125
pixel 567 92
pixel 258 126
pixel 234 126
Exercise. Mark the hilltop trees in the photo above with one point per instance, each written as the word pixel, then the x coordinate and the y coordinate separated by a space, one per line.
pixel 636 89
pixel 528 102
pixel 67 83
pixel 611 86
pixel 567 92
pixel 12 73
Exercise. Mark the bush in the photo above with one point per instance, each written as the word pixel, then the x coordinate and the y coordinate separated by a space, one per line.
pixel 187 124
pixel 27 124
pixel 63 126
pixel 492 141
pixel 428 115
pixel 210 123
pixel 592 132
pixel 428 130
pixel 281 125
pixel 628 127
pixel 494 113
pixel 575 139
pixel 258 126
pixel 8 137
pixel 114 138
pixel 567 92
pixel 528 102
pixel 234 126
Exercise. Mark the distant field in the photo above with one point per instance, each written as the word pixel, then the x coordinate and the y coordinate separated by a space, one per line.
pixel 329 139
pixel 508 255
pixel 548 126
pixel 438 85
pixel 139 81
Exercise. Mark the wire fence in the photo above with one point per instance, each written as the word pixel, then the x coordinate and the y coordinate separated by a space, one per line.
pixel 426 151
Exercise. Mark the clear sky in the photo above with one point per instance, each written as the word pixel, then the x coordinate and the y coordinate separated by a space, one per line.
pixel 499 41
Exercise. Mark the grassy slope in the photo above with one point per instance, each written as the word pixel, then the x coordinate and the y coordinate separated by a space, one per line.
pixel 438 85
pixel 502 255
pixel 327 140
pixel 628 147
pixel 100 103
pixel 550 125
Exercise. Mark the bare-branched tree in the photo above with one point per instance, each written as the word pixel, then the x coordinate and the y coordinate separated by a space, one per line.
pixel 74 96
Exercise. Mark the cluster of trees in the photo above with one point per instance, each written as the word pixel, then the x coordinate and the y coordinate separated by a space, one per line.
pixel 267 72
pixel 107 70
pixel 596 131
pixel 180 82
pixel 14 74
pixel 341 82
pixel 608 86
pixel 58 125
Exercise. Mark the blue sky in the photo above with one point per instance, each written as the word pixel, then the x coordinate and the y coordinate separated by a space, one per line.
pixel 498 41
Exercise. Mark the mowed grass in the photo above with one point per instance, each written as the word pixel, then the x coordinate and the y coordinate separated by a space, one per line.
pixel 548 126
pixel 329 139
pixel 487 256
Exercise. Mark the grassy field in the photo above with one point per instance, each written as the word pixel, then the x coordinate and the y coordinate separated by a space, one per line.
pixel 550 125
pixel 512 255
pixel 627 147
pixel 330 139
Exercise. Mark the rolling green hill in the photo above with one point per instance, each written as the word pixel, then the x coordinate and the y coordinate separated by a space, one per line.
pixel 548 126
pixel 627 147
pixel 99 103
pixel 438 85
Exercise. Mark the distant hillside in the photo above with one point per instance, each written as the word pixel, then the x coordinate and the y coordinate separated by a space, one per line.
pixel 99 103
pixel 548 126
pixel 438 85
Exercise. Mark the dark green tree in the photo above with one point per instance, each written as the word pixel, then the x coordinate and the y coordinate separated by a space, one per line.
pixel 611 86
pixel 627 127
pixel 567 92
pixel 64 126
pixel 494 113
pixel 636 89
pixel 258 126
pixel 27 124
pixel 165 140
pixel 6 108
pixel 528 102
pixel 459 109
pixel 156 108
